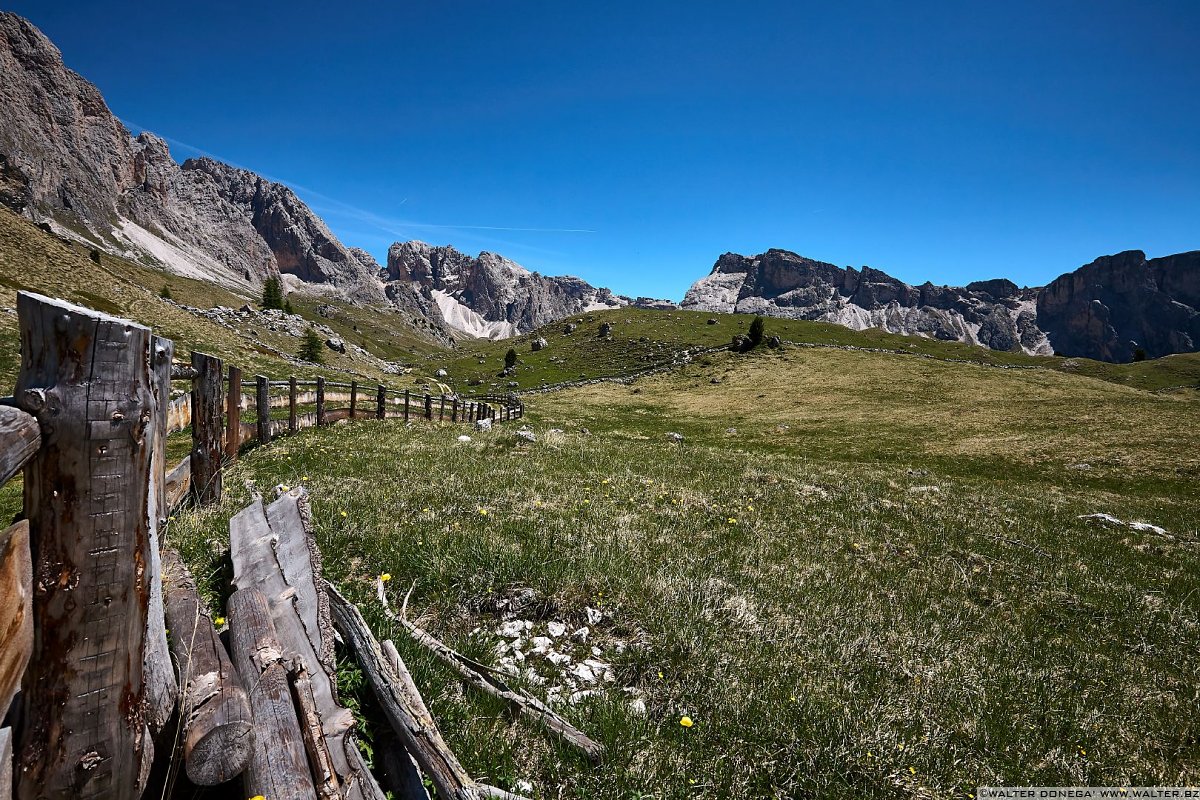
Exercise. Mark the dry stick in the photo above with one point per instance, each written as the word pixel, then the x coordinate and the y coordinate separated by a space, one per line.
pixel 488 680
pixel 214 712
pixel 412 723
pixel 278 767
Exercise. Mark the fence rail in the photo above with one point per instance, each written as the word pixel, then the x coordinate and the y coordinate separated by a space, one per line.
pixel 84 647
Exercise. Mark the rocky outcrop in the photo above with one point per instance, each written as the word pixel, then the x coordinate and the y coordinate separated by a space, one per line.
pixel 779 283
pixel 490 296
pixel 1119 305
pixel 65 159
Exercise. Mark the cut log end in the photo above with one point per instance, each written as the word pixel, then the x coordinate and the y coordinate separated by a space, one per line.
pixel 220 754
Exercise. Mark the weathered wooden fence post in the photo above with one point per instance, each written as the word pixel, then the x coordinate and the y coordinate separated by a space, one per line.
pixel 353 399
pixel 262 404
pixel 381 402
pixel 442 408
pixel 162 691
pixel 293 419
pixel 207 429
pixel 428 407
pixel 86 377
pixel 454 410
pixel 406 398
pixel 320 400
pixel 233 414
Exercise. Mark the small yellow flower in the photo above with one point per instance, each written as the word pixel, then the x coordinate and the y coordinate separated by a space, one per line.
pixel 284 486
pixel 343 513
pixel 304 478
pixel 483 512
pixel 387 576
pixel 258 797
pixel 732 521
pixel 537 503
pixel 686 722
pixel 912 770
pixel 218 621
pixel 660 674
pixel 585 502
pixel 605 481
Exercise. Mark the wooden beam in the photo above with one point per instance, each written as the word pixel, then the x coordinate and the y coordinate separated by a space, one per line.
pixel 262 405
pixel 428 407
pixel 278 766
pixel 16 610
pixel 207 429
pixel 381 402
pixel 178 481
pixel 320 401
pixel 293 422
pixel 86 377
pixel 218 732
pixel 20 440
pixel 408 716
pixel 162 691
pixel 233 414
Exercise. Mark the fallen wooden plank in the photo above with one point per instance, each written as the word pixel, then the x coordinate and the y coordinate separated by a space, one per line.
pixel 214 711
pixel 21 439
pixel 16 611
pixel 260 555
pixel 489 680
pixel 410 720
pixel 278 766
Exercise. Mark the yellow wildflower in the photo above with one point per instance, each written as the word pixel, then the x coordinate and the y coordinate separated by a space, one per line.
pixel 686 722
pixel 732 521
pixel 387 576
pixel 218 621
pixel 483 512
pixel 343 513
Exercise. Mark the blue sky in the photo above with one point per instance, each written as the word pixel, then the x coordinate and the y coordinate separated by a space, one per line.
pixel 633 143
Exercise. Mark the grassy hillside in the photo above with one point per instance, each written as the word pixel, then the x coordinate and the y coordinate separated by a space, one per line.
pixel 859 575
pixel 642 339
pixel 34 260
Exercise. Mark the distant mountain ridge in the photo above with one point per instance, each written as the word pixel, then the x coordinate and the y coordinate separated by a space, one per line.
pixel 1114 309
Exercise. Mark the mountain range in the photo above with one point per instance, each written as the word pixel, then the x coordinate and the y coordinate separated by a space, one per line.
pixel 68 163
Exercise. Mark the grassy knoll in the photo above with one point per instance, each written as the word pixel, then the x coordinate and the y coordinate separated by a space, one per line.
pixel 859 575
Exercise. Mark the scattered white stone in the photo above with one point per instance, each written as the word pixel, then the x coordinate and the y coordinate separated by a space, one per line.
pixel 924 490
pixel 483 424
pixel 532 678
pixel 675 437
pixel 1109 519
pixel 556 629
pixel 541 644
pixel 513 629
pixel 638 706
pixel 581 634
pixel 555 430
pixel 594 616
pixel 558 659
pixel 584 673
pixel 596 651
pixel 523 786
pixel 578 697
pixel 464 438
pixel 526 436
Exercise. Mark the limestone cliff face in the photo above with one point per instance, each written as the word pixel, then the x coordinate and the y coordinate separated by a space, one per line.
pixel 489 295
pixel 780 283
pixel 1116 305
pixel 65 159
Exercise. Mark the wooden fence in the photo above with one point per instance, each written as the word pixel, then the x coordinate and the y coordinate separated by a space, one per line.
pixel 87 680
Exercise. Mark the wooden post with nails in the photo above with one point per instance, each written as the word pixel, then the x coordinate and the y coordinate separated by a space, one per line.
pixel 233 414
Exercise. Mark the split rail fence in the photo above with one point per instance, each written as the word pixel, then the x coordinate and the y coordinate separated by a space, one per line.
pixel 87 678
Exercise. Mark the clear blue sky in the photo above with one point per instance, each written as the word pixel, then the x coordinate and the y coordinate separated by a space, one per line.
pixel 948 141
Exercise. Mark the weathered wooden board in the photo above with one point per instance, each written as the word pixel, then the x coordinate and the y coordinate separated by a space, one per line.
pixel 86 377
pixel 16 610
pixel 233 413
pixel 162 691
pixel 19 441
pixel 218 734
pixel 409 718
pixel 179 414
pixel 278 767
pixel 208 428
pixel 6 764
pixel 279 562
pixel 178 481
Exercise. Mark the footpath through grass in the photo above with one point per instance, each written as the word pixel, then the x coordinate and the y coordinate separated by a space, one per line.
pixel 858 576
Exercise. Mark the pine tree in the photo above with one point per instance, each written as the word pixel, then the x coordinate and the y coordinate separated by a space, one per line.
pixel 165 292
pixel 287 307
pixel 272 296
pixel 312 348
pixel 756 332
pixel 510 358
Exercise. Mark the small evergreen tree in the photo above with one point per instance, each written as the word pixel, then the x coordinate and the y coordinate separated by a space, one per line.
pixel 510 358
pixel 165 292
pixel 756 332
pixel 312 348
pixel 272 296
pixel 287 307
